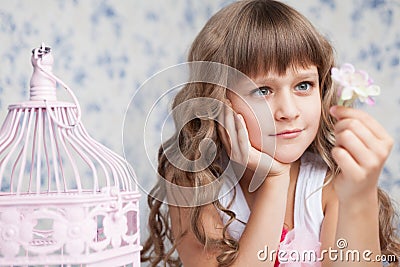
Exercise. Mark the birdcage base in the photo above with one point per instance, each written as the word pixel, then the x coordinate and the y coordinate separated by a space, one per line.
pixel 82 229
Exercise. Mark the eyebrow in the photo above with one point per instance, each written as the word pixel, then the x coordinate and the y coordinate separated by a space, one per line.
pixel 308 75
pixel 248 84
pixel 299 75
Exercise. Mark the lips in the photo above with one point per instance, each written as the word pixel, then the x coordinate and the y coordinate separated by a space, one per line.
pixel 290 133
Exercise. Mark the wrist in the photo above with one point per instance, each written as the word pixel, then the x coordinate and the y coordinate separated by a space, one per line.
pixel 280 182
pixel 279 172
pixel 365 205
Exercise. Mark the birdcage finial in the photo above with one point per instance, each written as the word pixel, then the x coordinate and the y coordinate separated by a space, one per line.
pixel 43 86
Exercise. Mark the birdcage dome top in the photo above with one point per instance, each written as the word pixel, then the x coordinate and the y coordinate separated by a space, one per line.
pixel 44 147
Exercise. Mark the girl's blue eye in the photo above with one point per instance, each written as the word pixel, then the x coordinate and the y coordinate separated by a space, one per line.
pixel 304 86
pixel 262 91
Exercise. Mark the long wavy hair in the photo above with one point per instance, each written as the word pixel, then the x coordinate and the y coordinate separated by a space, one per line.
pixel 254 37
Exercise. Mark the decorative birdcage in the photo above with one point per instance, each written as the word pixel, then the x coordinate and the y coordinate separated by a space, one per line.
pixel 65 199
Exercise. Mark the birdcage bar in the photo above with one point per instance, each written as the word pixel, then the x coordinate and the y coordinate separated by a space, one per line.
pixel 48 150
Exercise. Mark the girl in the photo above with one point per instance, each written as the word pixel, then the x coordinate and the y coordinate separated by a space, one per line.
pixel 318 145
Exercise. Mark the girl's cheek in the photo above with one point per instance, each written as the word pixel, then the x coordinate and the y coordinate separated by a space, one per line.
pixel 258 119
pixel 254 130
pixel 260 126
pixel 260 134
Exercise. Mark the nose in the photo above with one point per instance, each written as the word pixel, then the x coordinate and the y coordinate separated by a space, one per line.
pixel 285 107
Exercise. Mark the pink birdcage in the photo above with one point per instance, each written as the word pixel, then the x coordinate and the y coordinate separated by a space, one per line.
pixel 65 199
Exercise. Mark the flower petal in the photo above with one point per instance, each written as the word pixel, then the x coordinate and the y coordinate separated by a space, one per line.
pixel 370 101
pixel 360 91
pixel 90 229
pixel 75 247
pixel 9 249
pixel 347 68
pixel 116 241
pixel 359 79
pixel 373 90
pixel 365 75
pixel 347 93
pixel 336 75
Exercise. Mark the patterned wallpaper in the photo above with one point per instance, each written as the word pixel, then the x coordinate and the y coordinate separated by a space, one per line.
pixel 107 50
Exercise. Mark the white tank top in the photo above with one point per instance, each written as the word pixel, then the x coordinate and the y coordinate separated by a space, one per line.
pixel 308 213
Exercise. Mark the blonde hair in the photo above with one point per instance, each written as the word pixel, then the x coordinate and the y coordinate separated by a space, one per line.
pixel 254 36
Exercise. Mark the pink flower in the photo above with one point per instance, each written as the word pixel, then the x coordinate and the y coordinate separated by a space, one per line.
pixel 354 84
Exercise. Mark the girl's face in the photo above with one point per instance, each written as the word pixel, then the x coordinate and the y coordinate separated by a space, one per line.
pixel 281 112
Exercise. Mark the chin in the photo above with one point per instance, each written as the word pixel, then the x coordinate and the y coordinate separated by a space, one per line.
pixel 287 156
pixel 284 153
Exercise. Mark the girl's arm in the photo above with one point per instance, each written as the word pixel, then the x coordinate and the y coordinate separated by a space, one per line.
pixel 264 227
pixel 362 146
pixel 328 230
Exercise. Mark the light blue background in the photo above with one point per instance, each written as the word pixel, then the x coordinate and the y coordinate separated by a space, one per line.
pixel 105 50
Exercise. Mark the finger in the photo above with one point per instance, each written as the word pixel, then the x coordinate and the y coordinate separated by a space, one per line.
pixel 380 141
pixel 376 128
pixel 260 173
pixel 225 139
pixel 349 141
pixel 230 128
pixel 345 161
pixel 359 129
pixel 242 135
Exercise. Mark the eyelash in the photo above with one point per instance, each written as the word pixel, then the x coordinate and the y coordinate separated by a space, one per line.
pixel 265 88
pixel 310 85
pixel 258 90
